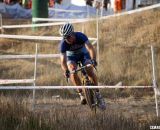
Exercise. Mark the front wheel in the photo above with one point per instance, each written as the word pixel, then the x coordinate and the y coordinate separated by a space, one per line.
pixel 90 98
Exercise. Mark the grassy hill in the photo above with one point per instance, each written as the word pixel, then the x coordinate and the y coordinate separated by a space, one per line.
pixel 124 56
pixel 124 50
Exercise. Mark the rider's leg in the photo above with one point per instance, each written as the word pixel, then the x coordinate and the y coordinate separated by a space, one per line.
pixel 87 60
pixel 93 77
pixel 72 65
pixel 74 77
pixel 76 81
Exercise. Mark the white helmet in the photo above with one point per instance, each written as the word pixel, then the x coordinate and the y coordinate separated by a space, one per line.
pixel 66 30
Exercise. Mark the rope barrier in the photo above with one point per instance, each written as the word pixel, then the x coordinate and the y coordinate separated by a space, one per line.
pixel 131 12
pixel 9 81
pixel 29 56
pixel 62 21
pixel 71 11
pixel 51 38
pixel 66 87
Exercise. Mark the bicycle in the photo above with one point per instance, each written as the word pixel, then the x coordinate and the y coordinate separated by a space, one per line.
pixel 89 93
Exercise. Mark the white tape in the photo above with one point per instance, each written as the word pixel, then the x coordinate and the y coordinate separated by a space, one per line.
pixel 51 38
pixel 132 11
pixel 75 20
pixel 71 11
pixel 32 25
pixel 31 37
pixel 104 17
pixel 66 87
pixel 94 42
pixel 8 81
pixel 29 56
pixel 63 21
pixel 55 20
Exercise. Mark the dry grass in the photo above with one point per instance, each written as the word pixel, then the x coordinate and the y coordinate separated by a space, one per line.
pixel 124 56
pixel 16 115
pixel 124 52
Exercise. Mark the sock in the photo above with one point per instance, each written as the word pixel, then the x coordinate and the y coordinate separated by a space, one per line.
pixel 81 96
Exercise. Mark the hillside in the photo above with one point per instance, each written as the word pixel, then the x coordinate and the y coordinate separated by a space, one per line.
pixel 124 50
pixel 126 47
pixel 125 56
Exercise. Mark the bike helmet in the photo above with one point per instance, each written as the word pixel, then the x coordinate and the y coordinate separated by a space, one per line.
pixel 66 30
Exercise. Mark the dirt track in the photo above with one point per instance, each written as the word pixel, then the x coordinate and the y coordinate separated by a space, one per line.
pixel 142 108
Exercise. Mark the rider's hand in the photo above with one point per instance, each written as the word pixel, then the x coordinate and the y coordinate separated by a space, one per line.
pixel 94 62
pixel 67 74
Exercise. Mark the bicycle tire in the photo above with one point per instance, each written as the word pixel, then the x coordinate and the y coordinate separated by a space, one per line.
pixel 89 95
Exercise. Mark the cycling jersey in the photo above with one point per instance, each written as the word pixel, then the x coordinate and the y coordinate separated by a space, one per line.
pixel 77 47
pixel 76 51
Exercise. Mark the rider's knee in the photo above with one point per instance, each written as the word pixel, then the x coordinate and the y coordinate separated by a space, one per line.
pixel 89 70
pixel 71 66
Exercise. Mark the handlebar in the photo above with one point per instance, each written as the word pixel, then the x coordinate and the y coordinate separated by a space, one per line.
pixel 79 69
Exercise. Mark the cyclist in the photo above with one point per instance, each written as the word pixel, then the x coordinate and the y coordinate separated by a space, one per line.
pixel 75 47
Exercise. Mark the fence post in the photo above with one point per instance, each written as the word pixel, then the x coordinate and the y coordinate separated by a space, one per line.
pixel 0 20
pixel 1 24
pixel 97 34
pixel 88 13
pixel 83 28
pixel 154 79
pixel 102 8
pixel 35 76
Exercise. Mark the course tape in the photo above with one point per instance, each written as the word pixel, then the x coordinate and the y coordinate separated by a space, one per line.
pixel 76 20
pixel 29 56
pixel 55 19
pixel 66 87
pixel 51 38
pixel 31 25
pixel 104 17
pixel 132 11
pixel 71 11
pixel 61 22
pixel 9 81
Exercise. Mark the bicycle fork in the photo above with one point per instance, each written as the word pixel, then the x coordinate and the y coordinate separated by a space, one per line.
pixel 87 82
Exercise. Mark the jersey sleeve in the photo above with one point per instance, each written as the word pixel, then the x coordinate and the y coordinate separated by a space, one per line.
pixel 62 47
pixel 84 38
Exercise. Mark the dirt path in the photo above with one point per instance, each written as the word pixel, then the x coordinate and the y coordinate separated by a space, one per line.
pixel 142 109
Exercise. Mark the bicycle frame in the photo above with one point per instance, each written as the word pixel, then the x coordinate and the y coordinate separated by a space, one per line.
pixel 83 71
pixel 88 93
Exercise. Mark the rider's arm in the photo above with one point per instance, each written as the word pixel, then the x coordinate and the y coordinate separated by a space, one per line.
pixel 91 50
pixel 63 59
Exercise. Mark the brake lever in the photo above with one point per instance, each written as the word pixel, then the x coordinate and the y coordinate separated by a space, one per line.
pixel 95 68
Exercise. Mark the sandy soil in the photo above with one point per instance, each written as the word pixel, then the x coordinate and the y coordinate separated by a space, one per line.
pixel 142 108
